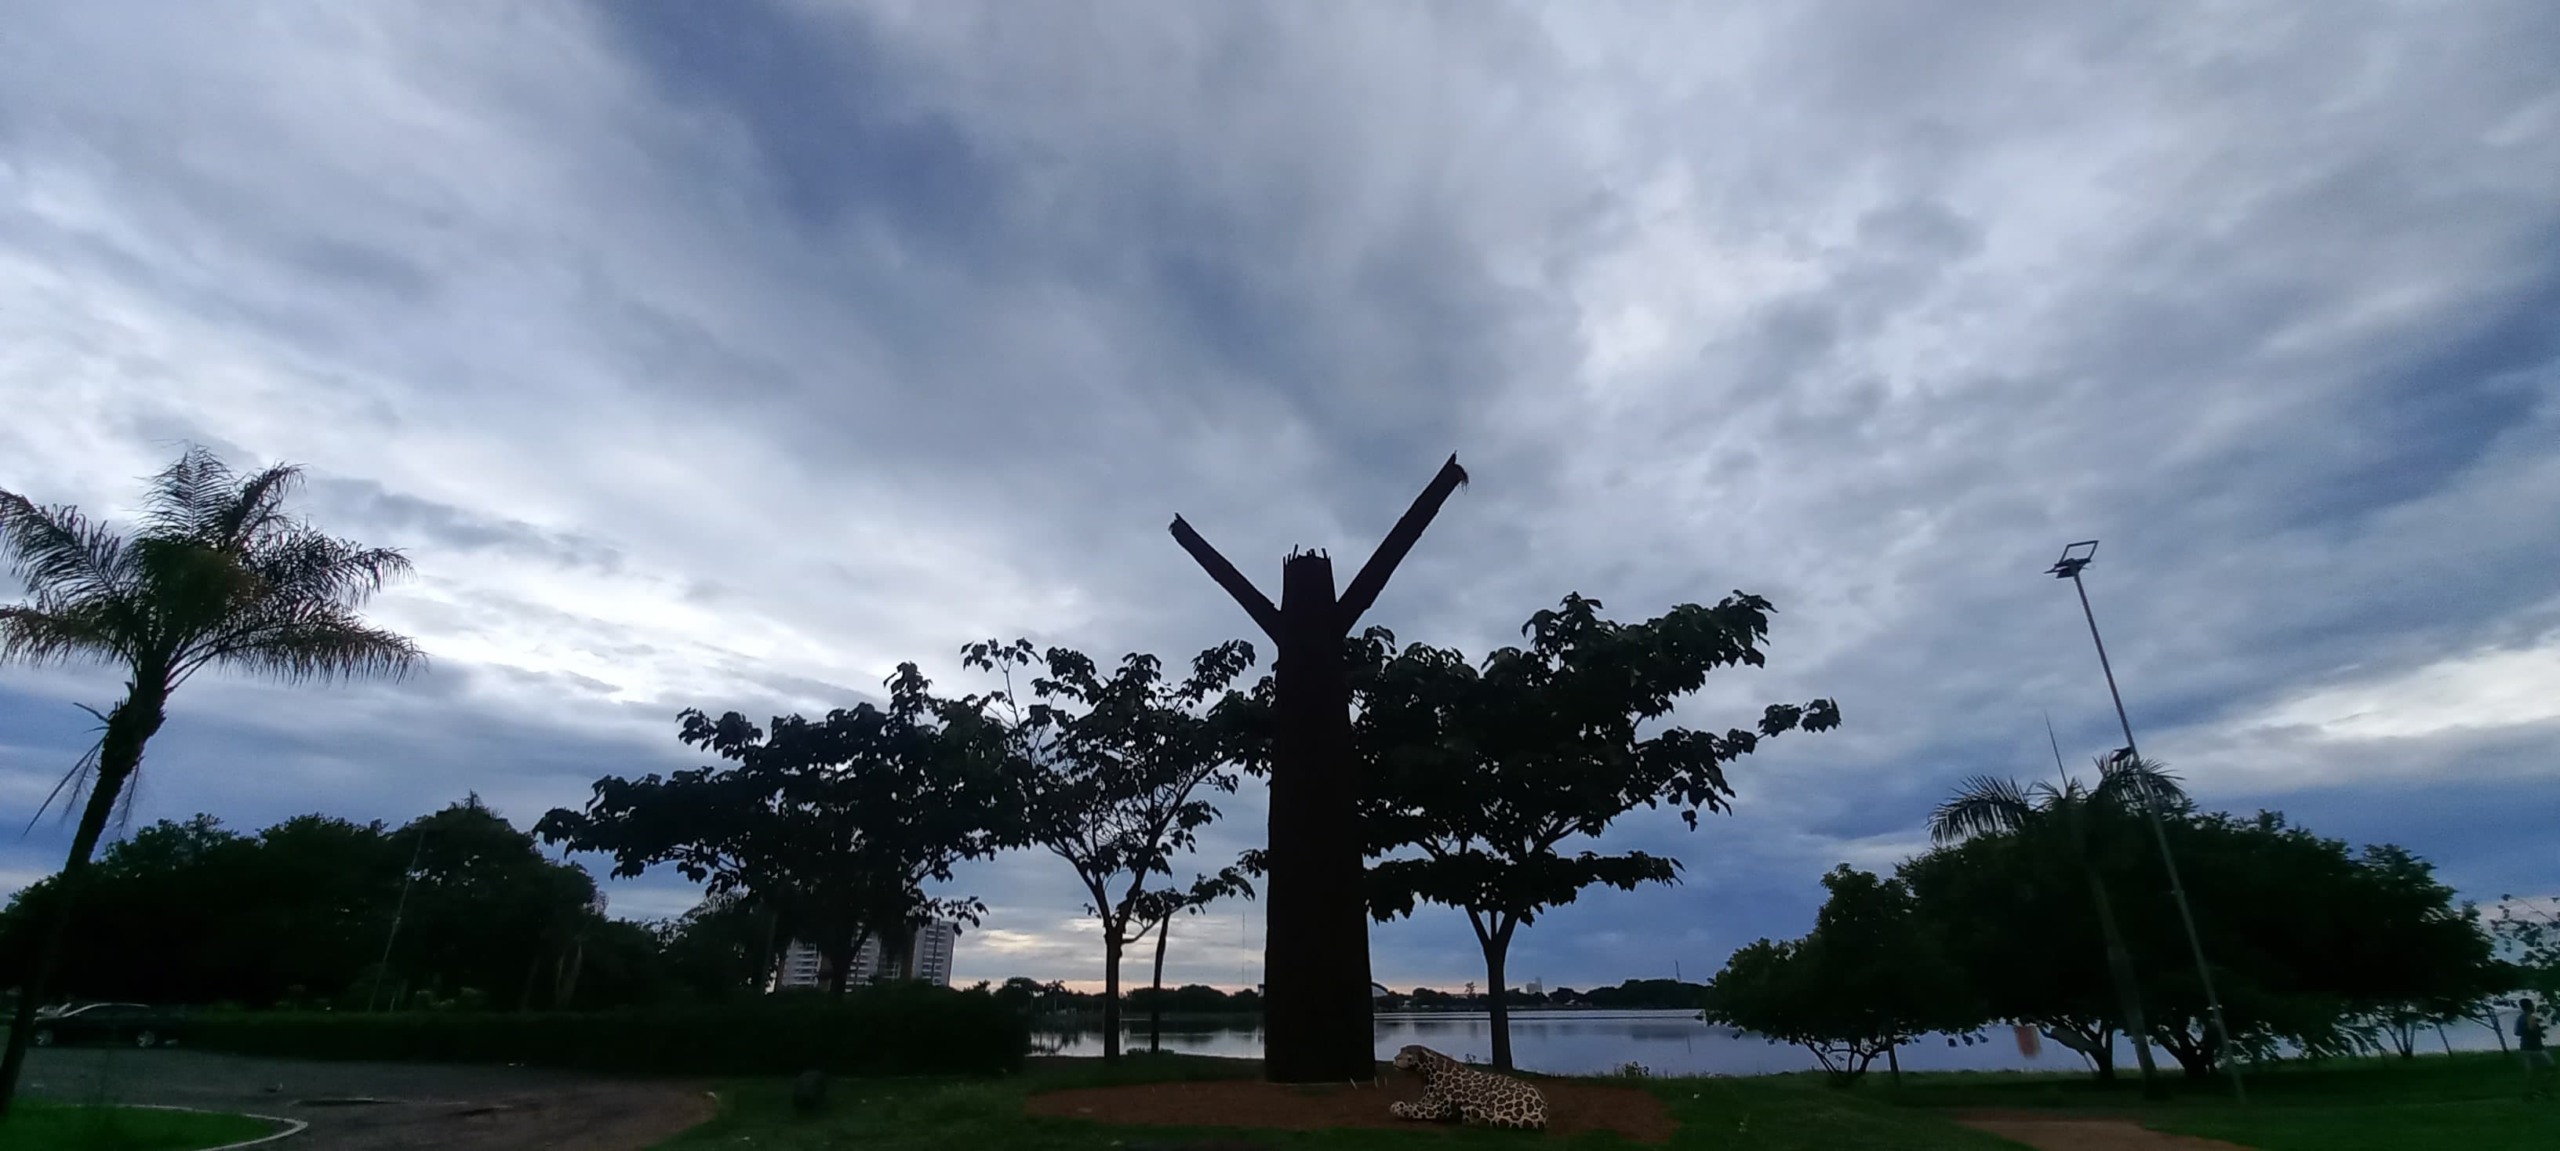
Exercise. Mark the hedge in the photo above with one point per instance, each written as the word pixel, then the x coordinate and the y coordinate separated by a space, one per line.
pixel 924 1031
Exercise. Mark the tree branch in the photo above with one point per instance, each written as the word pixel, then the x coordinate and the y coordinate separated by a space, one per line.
pixel 1255 604
pixel 1364 588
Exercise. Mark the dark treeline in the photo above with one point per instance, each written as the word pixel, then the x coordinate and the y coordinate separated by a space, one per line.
pixel 300 915
pixel 2049 908
pixel 1199 999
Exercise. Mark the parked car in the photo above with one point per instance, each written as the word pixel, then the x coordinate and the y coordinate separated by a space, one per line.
pixel 137 1024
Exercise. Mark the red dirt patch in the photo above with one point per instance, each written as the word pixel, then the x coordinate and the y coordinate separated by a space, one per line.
pixel 2048 1132
pixel 1572 1107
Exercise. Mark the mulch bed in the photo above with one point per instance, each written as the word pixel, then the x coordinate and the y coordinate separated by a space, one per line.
pixel 1572 1107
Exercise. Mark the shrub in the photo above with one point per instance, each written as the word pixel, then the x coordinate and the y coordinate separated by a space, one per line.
pixel 873 1031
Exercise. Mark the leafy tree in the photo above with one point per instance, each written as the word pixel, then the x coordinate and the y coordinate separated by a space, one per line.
pixel 2071 826
pixel 217 575
pixel 1488 773
pixel 2310 940
pixel 1868 979
pixel 719 949
pixel 836 823
pixel 1117 774
pixel 2029 936
pixel 488 913
pixel 1156 910
pixel 2313 946
pixel 2527 933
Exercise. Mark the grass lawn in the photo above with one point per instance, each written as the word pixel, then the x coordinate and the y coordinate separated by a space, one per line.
pixel 35 1126
pixel 2458 1102
pixel 1779 1114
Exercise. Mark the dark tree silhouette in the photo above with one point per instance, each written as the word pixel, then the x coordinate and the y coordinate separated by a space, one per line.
pixel 1316 961
pixel 1157 909
pixel 1868 979
pixel 836 823
pixel 218 575
pixel 1489 773
pixel 2069 824
pixel 1115 772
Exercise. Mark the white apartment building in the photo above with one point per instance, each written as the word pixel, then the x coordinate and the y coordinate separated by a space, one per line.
pixel 929 959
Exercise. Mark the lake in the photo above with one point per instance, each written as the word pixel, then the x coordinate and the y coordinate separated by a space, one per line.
pixel 1665 1042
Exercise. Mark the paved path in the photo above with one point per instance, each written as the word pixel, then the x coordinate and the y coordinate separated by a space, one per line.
pixel 2047 1132
pixel 463 1108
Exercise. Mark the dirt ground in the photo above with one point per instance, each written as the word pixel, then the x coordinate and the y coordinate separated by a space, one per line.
pixel 386 1106
pixel 1571 1107
pixel 2084 1133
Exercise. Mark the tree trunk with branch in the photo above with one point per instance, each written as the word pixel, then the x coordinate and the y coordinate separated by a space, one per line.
pixel 1318 1027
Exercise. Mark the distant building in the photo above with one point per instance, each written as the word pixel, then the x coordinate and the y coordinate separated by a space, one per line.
pixel 929 959
pixel 801 967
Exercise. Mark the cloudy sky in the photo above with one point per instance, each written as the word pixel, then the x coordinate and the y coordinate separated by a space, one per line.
pixel 726 356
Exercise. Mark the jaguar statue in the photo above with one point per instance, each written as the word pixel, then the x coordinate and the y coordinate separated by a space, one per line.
pixel 1453 1090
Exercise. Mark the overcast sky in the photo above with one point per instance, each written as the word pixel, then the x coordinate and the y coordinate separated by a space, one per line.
pixel 727 355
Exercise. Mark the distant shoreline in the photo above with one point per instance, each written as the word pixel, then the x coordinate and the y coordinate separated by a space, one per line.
pixel 1138 1017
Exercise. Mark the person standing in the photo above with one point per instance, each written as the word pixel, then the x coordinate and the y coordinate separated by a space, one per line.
pixel 2537 1059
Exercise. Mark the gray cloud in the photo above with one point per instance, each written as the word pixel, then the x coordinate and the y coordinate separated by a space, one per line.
pixel 727 363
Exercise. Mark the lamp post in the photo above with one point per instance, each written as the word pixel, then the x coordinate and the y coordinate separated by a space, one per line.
pixel 407 878
pixel 2074 558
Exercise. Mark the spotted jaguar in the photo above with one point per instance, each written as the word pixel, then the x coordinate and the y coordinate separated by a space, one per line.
pixel 1453 1090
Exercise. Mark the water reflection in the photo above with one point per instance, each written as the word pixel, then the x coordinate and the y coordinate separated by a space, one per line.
pixel 1593 1042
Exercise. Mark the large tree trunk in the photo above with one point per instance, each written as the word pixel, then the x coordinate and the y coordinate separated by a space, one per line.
pixel 1317 1025
pixel 1497 999
pixel 1111 946
pixel 2128 992
pixel 1155 992
pixel 840 959
pixel 2488 1017
pixel 129 727
pixel 766 978
pixel 2197 1055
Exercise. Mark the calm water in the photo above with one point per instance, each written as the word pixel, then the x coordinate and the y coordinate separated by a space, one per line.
pixel 1665 1042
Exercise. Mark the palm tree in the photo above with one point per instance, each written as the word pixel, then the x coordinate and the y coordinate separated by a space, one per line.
pixel 1990 805
pixel 217 575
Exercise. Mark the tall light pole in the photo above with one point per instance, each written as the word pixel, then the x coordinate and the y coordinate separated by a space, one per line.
pixel 2074 558
pixel 407 878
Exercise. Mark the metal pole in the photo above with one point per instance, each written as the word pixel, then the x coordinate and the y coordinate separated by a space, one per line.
pixel 2177 890
pixel 406 878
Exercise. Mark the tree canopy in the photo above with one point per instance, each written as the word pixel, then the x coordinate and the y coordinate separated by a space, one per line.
pixel 1479 776
pixel 1117 777
pixel 1870 977
pixel 835 824
pixel 2077 831
pixel 300 913
pixel 2313 945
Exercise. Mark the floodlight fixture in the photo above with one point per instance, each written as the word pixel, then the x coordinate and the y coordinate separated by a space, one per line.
pixel 2074 558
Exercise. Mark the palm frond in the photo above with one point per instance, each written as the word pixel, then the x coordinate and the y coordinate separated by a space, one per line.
pixel 186 495
pixel 2123 782
pixel 76 780
pixel 308 641
pixel 1982 805
pixel 62 556
pixel 257 507
pixel 304 564
pixel 94 630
